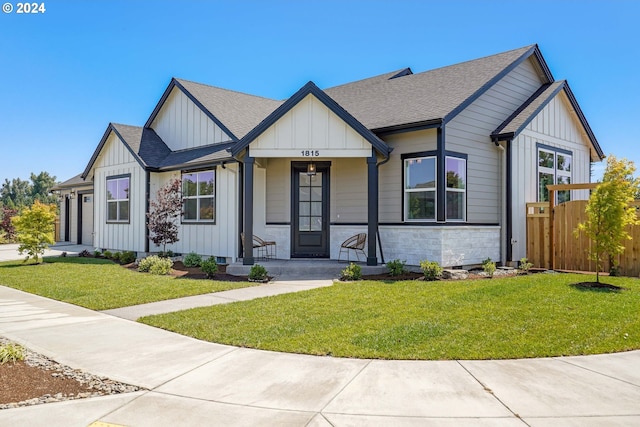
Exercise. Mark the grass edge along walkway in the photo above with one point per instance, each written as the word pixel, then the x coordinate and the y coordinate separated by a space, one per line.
pixel 99 284
pixel 539 315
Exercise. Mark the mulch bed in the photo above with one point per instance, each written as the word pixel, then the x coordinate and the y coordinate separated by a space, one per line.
pixel 597 286
pixel 179 270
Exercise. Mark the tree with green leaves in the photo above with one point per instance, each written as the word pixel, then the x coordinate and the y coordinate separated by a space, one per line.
pixel 41 186
pixel 18 193
pixel 34 229
pixel 609 212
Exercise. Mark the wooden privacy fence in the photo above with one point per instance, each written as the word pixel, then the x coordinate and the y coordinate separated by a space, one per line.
pixel 551 242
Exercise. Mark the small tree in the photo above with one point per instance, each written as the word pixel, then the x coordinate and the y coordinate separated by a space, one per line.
pixel 34 229
pixel 7 230
pixel 164 212
pixel 609 212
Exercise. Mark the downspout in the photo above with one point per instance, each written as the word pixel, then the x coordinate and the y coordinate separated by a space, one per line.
pixel 378 228
pixel 147 195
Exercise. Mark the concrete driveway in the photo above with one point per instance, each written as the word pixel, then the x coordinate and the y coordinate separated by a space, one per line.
pixel 10 252
pixel 193 383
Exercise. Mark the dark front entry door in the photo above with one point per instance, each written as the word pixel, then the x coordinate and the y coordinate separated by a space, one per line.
pixel 310 211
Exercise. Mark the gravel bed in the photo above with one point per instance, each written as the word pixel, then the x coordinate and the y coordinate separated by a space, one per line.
pixel 99 386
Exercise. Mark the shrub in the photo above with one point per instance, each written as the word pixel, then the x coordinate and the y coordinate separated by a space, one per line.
pixel 208 266
pixel 97 253
pixel 351 272
pixel 11 353
pixel 84 254
pixel 127 257
pixel 489 267
pixel 155 265
pixel 116 257
pixel 431 269
pixel 34 229
pixel 107 254
pixel 166 254
pixel 396 267
pixel 525 265
pixel 258 273
pixel 63 254
pixel 192 260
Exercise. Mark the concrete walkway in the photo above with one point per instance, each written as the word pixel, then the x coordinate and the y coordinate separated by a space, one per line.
pixel 10 252
pixel 192 383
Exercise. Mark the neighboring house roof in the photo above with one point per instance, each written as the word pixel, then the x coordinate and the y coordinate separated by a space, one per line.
pixel 152 153
pixel 76 181
pixel 311 88
pixel 521 118
pixel 402 98
pixel 236 113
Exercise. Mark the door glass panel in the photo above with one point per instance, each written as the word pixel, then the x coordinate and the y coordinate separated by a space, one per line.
pixel 305 194
pixel 304 222
pixel 305 180
pixel 316 180
pixel 316 194
pixel 316 223
pixel 310 202
pixel 305 209
pixel 316 209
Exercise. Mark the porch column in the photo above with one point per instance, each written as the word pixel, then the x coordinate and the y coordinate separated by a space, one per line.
pixel 372 207
pixel 247 258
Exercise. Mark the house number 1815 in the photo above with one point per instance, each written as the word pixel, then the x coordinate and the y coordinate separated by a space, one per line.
pixel 310 153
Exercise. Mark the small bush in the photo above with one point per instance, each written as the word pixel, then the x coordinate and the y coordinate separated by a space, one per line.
pixel 127 257
pixel 489 267
pixel 258 273
pixel 208 266
pixel 396 267
pixel 166 254
pixel 11 353
pixel 431 269
pixel 84 254
pixel 107 254
pixel 155 265
pixel 97 253
pixel 525 265
pixel 351 272
pixel 116 257
pixel 192 260
pixel 63 254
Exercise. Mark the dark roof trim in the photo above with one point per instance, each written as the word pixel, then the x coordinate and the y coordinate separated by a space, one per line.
pixel 165 95
pixel 406 72
pixel 103 141
pixel 497 136
pixel 311 88
pixel 534 50
pixel 408 127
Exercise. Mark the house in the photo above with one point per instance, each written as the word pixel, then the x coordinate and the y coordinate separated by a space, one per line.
pixel 435 165
pixel 76 210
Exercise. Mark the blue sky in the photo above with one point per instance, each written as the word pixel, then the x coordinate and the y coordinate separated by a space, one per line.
pixel 68 72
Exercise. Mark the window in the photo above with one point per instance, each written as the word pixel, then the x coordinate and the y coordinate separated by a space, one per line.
pixel 198 196
pixel 456 188
pixel 420 188
pixel 118 199
pixel 554 167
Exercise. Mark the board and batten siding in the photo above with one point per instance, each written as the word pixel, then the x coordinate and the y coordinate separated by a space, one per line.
pixel 469 133
pixel 554 126
pixel 310 126
pixel 182 124
pixel 114 160
pixel 207 239
pixel 390 178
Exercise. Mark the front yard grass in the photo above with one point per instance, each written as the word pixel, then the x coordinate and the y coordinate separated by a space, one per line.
pixel 100 284
pixel 539 315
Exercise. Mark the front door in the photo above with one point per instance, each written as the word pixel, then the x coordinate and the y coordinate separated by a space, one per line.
pixel 310 211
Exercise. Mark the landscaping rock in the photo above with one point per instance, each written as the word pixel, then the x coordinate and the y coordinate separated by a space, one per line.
pixel 455 274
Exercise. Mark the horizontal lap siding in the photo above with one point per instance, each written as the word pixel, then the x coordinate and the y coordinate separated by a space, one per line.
pixel 554 126
pixel 278 201
pixel 391 173
pixel 349 190
pixel 114 160
pixel 469 133
pixel 182 124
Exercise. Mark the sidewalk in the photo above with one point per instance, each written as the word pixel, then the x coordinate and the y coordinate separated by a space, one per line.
pixel 10 252
pixel 192 383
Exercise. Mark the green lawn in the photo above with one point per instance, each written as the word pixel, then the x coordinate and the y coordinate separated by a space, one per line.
pixel 529 316
pixel 99 284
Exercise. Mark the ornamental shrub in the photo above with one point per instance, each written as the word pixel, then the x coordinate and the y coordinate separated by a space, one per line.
pixel 431 269
pixel 34 229
pixel 11 352
pixel 351 272
pixel 127 257
pixel 489 267
pixel 192 260
pixel 208 266
pixel 155 265
pixel 524 265
pixel 107 254
pixel 258 273
pixel 116 257
pixel 396 267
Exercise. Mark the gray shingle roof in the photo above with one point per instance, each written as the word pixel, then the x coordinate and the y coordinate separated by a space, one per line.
pixel 76 181
pixel 381 102
pixel 239 112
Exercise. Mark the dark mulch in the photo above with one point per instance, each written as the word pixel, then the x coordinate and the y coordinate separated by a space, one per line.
pixel 180 271
pixel 597 286
pixel 386 276
pixel 19 381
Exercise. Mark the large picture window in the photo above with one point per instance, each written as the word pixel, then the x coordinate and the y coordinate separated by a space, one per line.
pixel 554 167
pixel 198 193
pixel 420 189
pixel 456 188
pixel 118 199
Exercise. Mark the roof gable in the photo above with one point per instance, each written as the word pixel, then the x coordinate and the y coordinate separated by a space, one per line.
pixel 521 118
pixel 311 89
